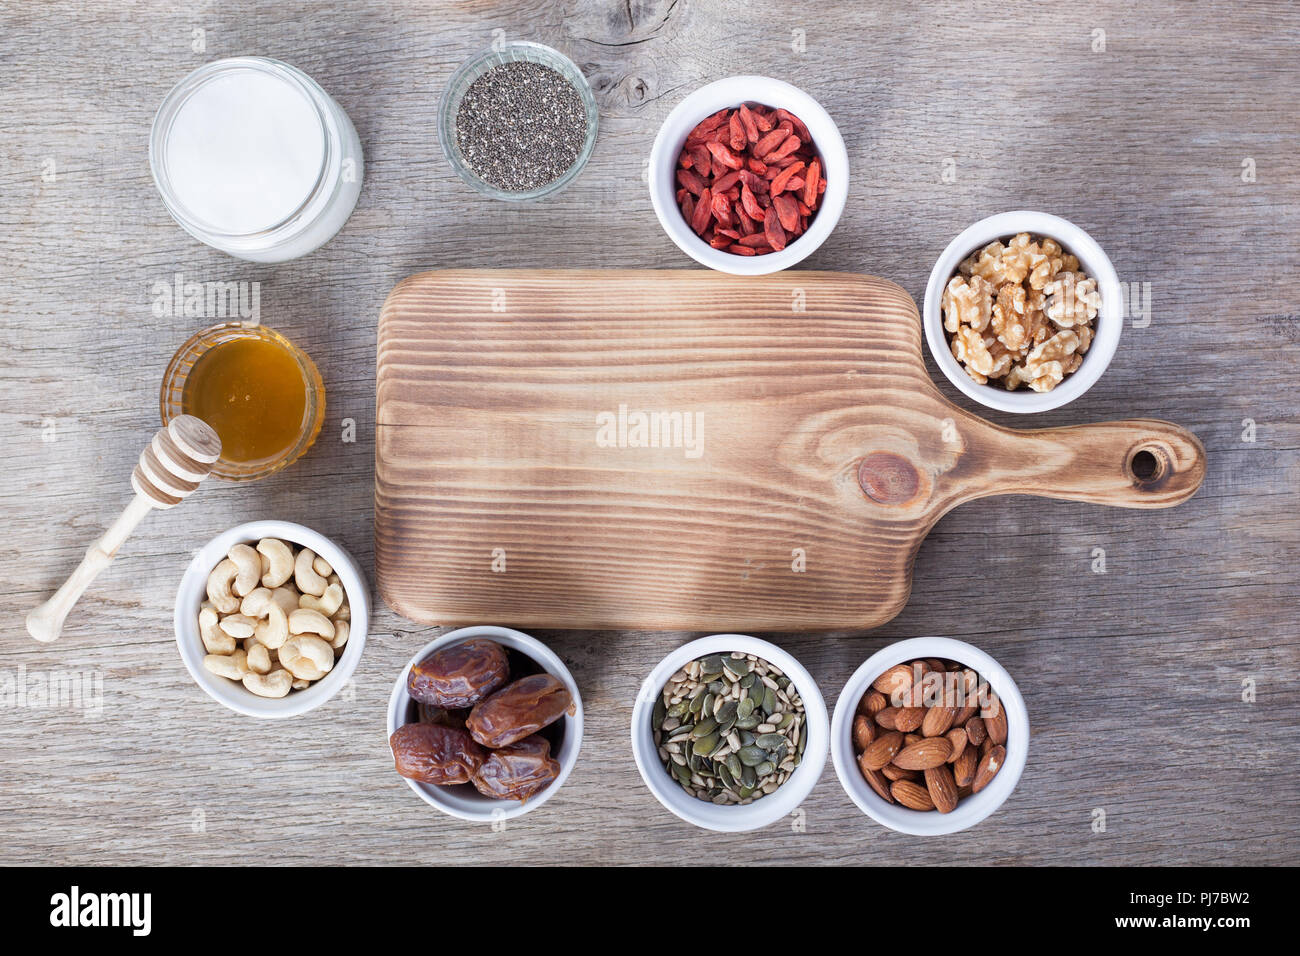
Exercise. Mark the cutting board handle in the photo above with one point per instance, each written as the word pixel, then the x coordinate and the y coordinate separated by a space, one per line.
pixel 1140 463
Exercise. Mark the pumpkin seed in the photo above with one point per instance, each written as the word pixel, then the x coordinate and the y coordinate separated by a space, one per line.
pixel 705 745
pixel 727 728
pixel 705 727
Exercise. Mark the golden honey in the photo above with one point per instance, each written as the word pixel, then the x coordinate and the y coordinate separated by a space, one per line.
pixel 253 393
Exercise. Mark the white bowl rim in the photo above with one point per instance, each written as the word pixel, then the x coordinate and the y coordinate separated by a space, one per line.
pixel 974 808
pixel 233 695
pixel 1107 326
pixel 462 802
pixel 760 813
pixel 732 91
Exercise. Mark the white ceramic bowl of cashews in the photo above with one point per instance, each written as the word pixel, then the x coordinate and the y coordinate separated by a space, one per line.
pixel 259 654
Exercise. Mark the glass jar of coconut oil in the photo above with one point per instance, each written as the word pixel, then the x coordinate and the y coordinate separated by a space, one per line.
pixel 254 158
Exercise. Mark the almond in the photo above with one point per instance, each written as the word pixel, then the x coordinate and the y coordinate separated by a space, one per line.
pixel 963 768
pixel 893 772
pixel 885 718
pixel 878 783
pixel 925 753
pixel 937 721
pixel 942 788
pixel 864 732
pixel 989 767
pixel 897 678
pixel 934 664
pixel 995 720
pixel 909 719
pixel 882 750
pixel 911 795
pixel 963 715
pixel 975 731
pixel 872 703
pixel 956 737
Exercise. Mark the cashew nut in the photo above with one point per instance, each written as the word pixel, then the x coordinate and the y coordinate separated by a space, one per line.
pixel 305 576
pixel 274 684
pixel 307 621
pixel 342 631
pixel 273 630
pixel 275 618
pixel 255 602
pixel 215 640
pixel 327 603
pixel 250 568
pixel 237 625
pixel 219 581
pixel 277 561
pixel 234 666
pixel 287 597
pixel 259 659
pixel 307 657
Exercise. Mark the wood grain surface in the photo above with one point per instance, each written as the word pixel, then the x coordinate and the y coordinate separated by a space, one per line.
pixel 683 450
pixel 1162 693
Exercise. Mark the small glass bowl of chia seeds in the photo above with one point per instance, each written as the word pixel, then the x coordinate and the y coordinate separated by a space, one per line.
pixel 518 122
pixel 730 733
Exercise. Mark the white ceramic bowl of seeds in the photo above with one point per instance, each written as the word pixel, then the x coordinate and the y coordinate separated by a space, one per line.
pixel 194 592
pixel 970 809
pixel 814 729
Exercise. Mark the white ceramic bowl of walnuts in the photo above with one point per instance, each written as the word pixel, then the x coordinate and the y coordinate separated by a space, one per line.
pixel 1082 336
pixel 271 618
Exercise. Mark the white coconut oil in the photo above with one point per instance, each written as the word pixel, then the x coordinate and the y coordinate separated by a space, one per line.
pixel 252 157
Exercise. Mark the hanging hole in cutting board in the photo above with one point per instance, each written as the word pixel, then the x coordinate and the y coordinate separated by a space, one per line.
pixel 1146 466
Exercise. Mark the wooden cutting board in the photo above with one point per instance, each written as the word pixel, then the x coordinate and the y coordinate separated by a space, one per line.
pixel 690 450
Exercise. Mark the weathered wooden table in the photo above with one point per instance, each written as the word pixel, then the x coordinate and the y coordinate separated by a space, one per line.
pixel 1163 692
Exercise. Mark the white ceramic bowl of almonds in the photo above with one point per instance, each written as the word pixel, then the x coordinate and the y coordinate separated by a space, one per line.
pixel 970 809
pixel 1106 326
pixel 194 593
pixel 732 817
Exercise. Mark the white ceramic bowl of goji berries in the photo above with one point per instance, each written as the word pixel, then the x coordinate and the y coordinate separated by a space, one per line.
pixel 971 808
pixel 783 138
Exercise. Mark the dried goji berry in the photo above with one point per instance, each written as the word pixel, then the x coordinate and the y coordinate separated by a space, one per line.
pixel 782 179
pixel 748 179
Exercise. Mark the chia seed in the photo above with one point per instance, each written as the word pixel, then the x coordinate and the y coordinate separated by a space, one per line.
pixel 520 126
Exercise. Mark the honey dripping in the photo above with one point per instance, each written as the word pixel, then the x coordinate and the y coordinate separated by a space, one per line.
pixel 253 393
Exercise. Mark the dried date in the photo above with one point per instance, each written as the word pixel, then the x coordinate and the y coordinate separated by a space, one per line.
pixel 459 676
pixel 518 710
pixel 519 771
pixel 434 754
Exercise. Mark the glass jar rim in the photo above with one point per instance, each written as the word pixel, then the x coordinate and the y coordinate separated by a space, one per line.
pixel 170 108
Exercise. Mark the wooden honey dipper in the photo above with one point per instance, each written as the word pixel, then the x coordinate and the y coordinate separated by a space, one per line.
pixel 180 456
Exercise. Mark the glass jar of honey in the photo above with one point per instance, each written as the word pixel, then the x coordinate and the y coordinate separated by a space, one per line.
pixel 260 392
